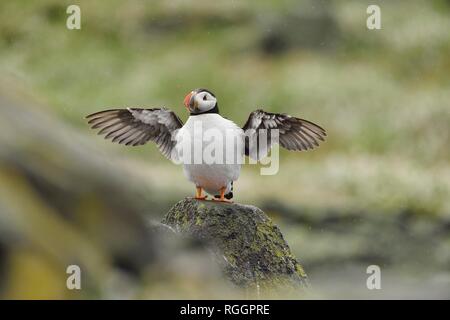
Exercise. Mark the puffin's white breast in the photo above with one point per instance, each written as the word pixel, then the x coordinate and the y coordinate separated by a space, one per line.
pixel 216 151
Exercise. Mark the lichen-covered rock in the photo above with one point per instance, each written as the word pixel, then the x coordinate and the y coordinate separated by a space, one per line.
pixel 247 245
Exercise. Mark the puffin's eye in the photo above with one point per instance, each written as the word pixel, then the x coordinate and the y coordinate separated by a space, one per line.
pixel 204 97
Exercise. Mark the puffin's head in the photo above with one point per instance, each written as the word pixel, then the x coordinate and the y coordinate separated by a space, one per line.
pixel 200 101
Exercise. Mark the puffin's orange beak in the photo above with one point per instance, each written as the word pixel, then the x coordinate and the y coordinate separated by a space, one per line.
pixel 187 99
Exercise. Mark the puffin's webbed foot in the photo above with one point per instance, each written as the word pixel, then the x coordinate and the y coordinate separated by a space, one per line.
pixel 222 196
pixel 199 194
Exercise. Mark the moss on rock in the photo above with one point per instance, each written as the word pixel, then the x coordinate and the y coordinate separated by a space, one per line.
pixel 250 249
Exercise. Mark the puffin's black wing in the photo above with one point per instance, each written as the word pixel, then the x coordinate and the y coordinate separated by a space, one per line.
pixel 136 126
pixel 294 133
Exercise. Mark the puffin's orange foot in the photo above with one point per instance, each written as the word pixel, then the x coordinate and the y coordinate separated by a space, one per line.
pixel 222 200
pixel 199 194
pixel 222 197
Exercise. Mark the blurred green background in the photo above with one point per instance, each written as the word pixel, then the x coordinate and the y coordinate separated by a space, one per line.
pixel 377 192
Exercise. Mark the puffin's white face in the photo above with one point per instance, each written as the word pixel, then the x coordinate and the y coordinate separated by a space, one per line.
pixel 199 101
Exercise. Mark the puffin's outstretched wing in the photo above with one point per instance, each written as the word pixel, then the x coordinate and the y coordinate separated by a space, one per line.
pixel 136 126
pixel 294 133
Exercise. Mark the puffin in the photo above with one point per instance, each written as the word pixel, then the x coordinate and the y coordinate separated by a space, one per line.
pixel 178 142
